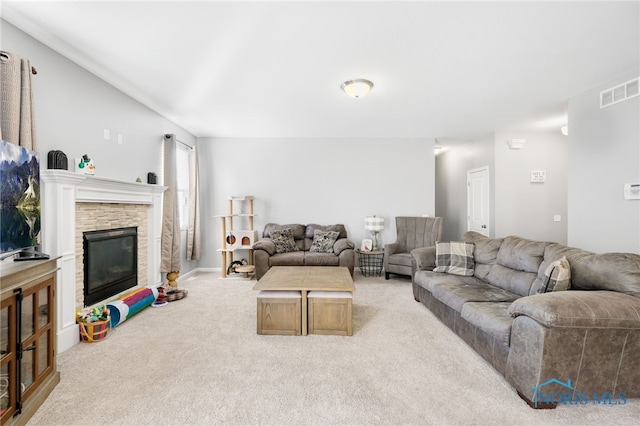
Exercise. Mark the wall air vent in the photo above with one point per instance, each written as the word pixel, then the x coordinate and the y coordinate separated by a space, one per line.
pixel 622 92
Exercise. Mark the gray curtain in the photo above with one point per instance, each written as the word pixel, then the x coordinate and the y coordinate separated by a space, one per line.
pixel 170 240
pixel 17 124
pixel 193 231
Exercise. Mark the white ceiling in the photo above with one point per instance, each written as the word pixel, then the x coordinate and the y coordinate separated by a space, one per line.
pixel 450 70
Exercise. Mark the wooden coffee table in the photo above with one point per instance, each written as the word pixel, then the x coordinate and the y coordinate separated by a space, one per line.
pixel 305 279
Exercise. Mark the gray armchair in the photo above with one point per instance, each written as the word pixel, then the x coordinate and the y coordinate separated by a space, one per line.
pixel 413 232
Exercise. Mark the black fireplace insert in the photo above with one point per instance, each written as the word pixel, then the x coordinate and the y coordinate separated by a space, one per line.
pixel 110 262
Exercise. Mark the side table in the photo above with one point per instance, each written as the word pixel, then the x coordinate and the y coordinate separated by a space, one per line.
pixel 370 262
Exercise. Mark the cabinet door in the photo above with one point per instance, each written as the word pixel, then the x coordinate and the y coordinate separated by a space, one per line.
pixel 8 358
pixel 37 336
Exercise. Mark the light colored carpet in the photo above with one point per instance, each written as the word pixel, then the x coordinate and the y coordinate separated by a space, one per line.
pixel 199 361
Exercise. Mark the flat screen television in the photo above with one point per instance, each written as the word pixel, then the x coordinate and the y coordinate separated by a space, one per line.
pixel 19 202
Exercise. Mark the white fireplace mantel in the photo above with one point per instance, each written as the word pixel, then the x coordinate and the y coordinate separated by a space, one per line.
pixel 60 191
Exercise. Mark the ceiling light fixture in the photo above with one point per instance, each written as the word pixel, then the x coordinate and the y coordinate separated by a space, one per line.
pixel 356 88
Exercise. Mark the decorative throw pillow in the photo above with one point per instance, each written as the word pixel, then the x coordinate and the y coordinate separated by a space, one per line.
pixel 557 276
pixel 283 239
pixel 323 241
pixel 455 258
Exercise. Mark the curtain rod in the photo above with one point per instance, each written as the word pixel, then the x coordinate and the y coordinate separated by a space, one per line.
pixel 5 57
pixel 185 144
pixel 168 135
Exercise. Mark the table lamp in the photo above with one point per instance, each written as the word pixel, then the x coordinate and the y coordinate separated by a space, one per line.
pixel 374 224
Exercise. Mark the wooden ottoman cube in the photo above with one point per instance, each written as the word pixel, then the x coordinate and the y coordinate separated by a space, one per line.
pixel 279 312
pixel 330 312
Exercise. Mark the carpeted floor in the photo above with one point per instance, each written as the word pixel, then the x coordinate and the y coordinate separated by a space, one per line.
pixel 199 361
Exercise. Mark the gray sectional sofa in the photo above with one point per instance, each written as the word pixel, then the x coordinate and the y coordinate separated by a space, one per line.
pixel 555 347
pixel 266 256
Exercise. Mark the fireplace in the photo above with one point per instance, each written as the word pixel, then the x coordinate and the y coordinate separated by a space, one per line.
pixel 72 204
pixel 110 262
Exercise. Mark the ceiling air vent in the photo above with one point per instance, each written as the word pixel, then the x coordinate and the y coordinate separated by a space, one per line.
pixel 620 93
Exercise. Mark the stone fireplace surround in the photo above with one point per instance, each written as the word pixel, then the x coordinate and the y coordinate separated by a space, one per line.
pixel 72 203
pixel 101 216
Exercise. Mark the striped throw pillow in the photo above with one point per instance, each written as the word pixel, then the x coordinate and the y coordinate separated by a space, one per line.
pixel 455 258
pixel 557 276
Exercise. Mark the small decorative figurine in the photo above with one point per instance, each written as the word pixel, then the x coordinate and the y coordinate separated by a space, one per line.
pixel 85 166
pixel 172 277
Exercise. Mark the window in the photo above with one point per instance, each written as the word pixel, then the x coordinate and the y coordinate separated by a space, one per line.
pixel 182 193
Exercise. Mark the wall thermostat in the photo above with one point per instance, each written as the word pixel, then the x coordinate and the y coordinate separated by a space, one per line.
pixel 538 176
pixel 632 191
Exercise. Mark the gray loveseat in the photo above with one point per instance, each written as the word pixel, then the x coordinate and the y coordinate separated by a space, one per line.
pixel 265 255
pixel 581 344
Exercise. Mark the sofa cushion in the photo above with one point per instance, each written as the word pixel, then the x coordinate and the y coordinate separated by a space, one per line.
pixel 468 289
pixel 403 259
pixel 323 241
pixel 513 281
pixel 283 239
pixel 521 254
pixel 517 265
pixel 294 258
pixel 608 271
pixel 429 279
pixel 580 308
pixel 484 254
pixel 553 252
pixel 557 277
pixel 320 259
pixel 454 258
pixel 491 317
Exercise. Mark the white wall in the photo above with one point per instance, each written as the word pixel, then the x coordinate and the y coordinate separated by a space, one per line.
pixel 604 154
pixel 322 181
pixel 524 208
pixel 451 183
pixel 73 107
pixel 518 207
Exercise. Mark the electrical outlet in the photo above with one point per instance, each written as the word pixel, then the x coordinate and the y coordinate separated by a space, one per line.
pixel 107 135
pixel 557 218
pixel 120 139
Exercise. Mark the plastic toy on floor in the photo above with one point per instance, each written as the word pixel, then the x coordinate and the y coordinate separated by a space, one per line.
pixel 161 300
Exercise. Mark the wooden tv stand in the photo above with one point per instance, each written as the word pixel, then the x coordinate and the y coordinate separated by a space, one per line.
pixel 28 338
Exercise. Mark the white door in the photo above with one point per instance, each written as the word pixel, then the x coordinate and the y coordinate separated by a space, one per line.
pixel 478 200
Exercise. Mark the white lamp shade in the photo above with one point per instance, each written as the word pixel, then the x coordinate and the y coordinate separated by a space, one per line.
pixel 374 223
